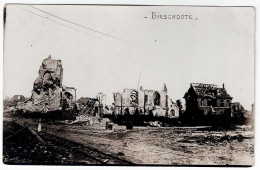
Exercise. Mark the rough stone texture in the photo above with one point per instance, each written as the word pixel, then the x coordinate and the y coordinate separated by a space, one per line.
pixel 47 88
pixel 158 102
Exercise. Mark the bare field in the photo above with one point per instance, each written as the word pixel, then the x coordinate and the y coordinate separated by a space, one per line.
pixel 162 145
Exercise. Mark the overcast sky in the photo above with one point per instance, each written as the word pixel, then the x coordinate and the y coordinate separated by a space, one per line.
pixel 104 48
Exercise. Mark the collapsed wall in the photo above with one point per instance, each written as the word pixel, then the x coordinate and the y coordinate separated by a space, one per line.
pixel 47 89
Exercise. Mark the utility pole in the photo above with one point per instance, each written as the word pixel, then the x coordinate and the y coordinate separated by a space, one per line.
pixel 144 102
pixel 137 91
pixel 138 81
pixel 99 98
pixel 121 104
pixel 75 95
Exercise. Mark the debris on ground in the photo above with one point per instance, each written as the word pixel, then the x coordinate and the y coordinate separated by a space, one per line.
pixel 153 124
pixel 120 154
pixel 214 139
pixel 109 125
pixel 86 120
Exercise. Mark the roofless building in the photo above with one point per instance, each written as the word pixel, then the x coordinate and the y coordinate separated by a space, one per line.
pixel 207 99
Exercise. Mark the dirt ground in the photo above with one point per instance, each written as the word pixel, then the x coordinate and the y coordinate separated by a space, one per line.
pixel 162 145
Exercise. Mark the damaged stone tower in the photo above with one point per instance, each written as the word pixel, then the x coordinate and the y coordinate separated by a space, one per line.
pixel 48 95
pixel 47 87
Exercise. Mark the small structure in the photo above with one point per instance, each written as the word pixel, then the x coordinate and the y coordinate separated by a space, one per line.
pixel 237 110
pixel 18 98
pixel 71 93
pixel 68 96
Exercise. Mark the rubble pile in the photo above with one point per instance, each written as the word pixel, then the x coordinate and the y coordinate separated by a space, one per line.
pixel 219 139
pixel 88 106
pixel 153 124
pixel 216 138
pixel 86 120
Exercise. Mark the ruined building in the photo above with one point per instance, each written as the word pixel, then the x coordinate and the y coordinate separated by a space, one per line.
pixel 18 98
pixel 207 99
pixel 48 94
pixel 8 103
pixel 146 101
pixel 69 95
pixel 91 106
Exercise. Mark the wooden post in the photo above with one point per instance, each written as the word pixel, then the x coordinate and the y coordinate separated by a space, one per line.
pixel 39 126
pixel 121 104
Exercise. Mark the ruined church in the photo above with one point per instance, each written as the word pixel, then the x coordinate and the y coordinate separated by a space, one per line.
pixel 146 101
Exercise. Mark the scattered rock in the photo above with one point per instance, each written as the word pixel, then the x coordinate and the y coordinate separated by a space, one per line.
pixel 120 154
pixel 106 160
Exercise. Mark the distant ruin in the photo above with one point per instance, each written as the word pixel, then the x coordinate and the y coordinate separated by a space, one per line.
pixel 158 103
pixel 206 104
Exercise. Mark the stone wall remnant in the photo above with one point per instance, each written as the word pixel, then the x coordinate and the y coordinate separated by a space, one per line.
pixel 48 93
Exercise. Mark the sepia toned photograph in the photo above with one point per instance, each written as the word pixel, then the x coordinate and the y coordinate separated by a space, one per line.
pixel 128 85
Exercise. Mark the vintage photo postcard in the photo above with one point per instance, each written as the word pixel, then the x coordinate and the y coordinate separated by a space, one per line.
pixel 128 85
